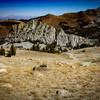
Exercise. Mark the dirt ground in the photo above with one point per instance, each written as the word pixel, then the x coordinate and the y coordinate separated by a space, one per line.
pixel 72 75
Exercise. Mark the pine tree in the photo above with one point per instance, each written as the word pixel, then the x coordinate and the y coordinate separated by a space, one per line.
pixel 9 54
pixel 13 50
pixel 2 51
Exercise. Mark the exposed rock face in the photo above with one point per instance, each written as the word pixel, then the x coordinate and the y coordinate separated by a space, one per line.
pixel 47 36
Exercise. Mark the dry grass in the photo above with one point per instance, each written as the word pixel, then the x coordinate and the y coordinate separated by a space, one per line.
pixel 26 84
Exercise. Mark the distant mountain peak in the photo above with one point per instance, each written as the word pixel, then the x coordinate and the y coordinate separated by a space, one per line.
pixel 15 17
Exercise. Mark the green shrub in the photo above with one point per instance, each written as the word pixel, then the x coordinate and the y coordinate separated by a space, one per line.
pixel 51 48
pixel 35 47
pixel 13 50
pixel 2 51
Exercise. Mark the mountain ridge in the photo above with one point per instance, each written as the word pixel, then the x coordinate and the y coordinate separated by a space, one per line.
pixel 67 31
pixel 17 17
pixel 69 18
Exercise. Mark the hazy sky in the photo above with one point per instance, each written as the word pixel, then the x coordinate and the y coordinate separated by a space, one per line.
pixel 42 7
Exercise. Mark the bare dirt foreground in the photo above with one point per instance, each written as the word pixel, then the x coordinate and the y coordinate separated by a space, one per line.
pixel 73 75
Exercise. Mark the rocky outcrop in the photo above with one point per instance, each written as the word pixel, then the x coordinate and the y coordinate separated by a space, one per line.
pixel 47 37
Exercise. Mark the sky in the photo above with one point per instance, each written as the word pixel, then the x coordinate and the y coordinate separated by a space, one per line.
pixel 43 7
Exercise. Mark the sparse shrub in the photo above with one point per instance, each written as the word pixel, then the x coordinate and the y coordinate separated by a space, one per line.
pixel 13 50
pixel 9 54
pixel 43 65
pixel 2 51
pixel 83 50
pixel 34 68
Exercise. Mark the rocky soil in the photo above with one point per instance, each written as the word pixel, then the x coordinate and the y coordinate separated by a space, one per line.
pixel 72 75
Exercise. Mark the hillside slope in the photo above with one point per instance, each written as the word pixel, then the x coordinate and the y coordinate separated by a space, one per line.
pixel 65 79
pixel 72 19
